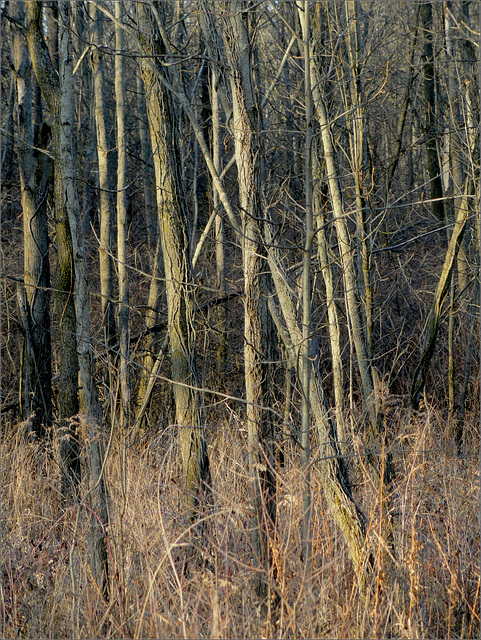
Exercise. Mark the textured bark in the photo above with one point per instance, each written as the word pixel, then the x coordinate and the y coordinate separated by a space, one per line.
pixel 35 174
pixel 104 173
pixel 221 283
pixel 431 135
pixel 305 345
pixel 320 200
pixel 150 362
pixel 173 226
pixel 123 313
pixel 68 404
pixel 99 518
pixel 258 329
pixel 148 177
pixel 335 477
pixel 358 161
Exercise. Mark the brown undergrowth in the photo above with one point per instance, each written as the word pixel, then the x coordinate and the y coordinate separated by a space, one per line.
pixel 161 586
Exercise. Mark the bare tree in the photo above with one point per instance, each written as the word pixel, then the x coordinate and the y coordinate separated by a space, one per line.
pixel 258 331
pixel 48 81
pixel 123 313
pixel 98 492
pixel 104 177
pixel 35 177
pixel 174 233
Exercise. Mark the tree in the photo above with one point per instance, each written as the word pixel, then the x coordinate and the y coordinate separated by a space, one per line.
pixel 48 81
pixel 174 233
pixel 258 330
pixel 98 492
pixel 104 178
pixel 123 314
pixel 35 176
pixel 59 96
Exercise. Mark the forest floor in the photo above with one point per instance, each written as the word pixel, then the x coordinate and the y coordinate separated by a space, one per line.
pixel 171 580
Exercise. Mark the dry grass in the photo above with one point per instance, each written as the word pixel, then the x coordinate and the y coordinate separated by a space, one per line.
pixel 161 589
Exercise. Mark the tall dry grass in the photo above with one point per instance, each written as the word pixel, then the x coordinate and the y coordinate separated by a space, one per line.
pixel 164 585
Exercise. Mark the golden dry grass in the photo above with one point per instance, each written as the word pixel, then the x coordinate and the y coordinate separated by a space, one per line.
pixel 160 587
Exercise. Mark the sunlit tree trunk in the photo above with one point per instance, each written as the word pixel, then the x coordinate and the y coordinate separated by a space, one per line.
pixel 149 361
pixel 335 479
pixel 258 331
pixel 358 161
pixel 148 178
pixel 104 180
pixel 219 232
pixel 319 202
pixel 305 345
pixel 173 228
pixel 123 313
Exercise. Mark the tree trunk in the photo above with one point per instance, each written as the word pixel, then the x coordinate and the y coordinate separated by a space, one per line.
pixel 68 404
pixel 148 177
pixel 335 479
pixel 431 134
pixel 99 518
pixel 258 330
pixel 35 174
pixel 104 181
pixel 305 345
pixel 173 226
pixel 123 313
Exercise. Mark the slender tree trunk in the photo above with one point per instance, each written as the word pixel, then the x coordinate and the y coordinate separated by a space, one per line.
pixel 221 284
pixel 258 334
pixel 148 177
pixel 35 174
pixel 104 181
pixel 420 374
pixel 123 314
pixel 345 250
pixel 68 404
pixel 99 519
pixel 335 479
pixel 305 346
pixel 357 139
pixel 150 344
pixel 431 134
pixel 319 202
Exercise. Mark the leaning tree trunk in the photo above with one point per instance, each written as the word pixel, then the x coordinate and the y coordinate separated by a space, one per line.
pixel 335 479
pixel 173 228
